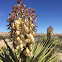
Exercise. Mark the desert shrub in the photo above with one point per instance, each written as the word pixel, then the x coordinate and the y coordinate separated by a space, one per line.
pixel 1 37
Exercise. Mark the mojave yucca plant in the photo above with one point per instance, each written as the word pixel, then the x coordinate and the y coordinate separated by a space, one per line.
pixel 22 23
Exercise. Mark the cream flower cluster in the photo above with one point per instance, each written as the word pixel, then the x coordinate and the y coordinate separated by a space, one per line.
pixel 23 36
pixel 50 31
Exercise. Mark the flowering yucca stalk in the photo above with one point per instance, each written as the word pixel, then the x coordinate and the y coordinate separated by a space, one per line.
pixel 49 33
pixel 22 22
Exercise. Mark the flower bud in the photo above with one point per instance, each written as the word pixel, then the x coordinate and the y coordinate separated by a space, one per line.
pixel 29 35
pixel 20 41
pixel 31 47
pixel 15 42
pixel 22 36
pixel 17 22
pixel 32 25
pixel 21 22
pixel 26 52
pixel 31 19
pixel 18 38
pixel 33 33
pixel 13 25
pixel 26 22
pixel 17 47
pixel 26 29
pixel 21 46
pixel 24 43
pixel 17 27
pixel 17 33
pixel 30 29
pixel 19 19
pixel 31 54
pixel 27 40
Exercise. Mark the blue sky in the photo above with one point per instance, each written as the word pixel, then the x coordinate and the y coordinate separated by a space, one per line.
pixel 49 13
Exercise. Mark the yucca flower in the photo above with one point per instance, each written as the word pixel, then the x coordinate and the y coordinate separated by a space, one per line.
pixel 22 25
pixel 49 32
